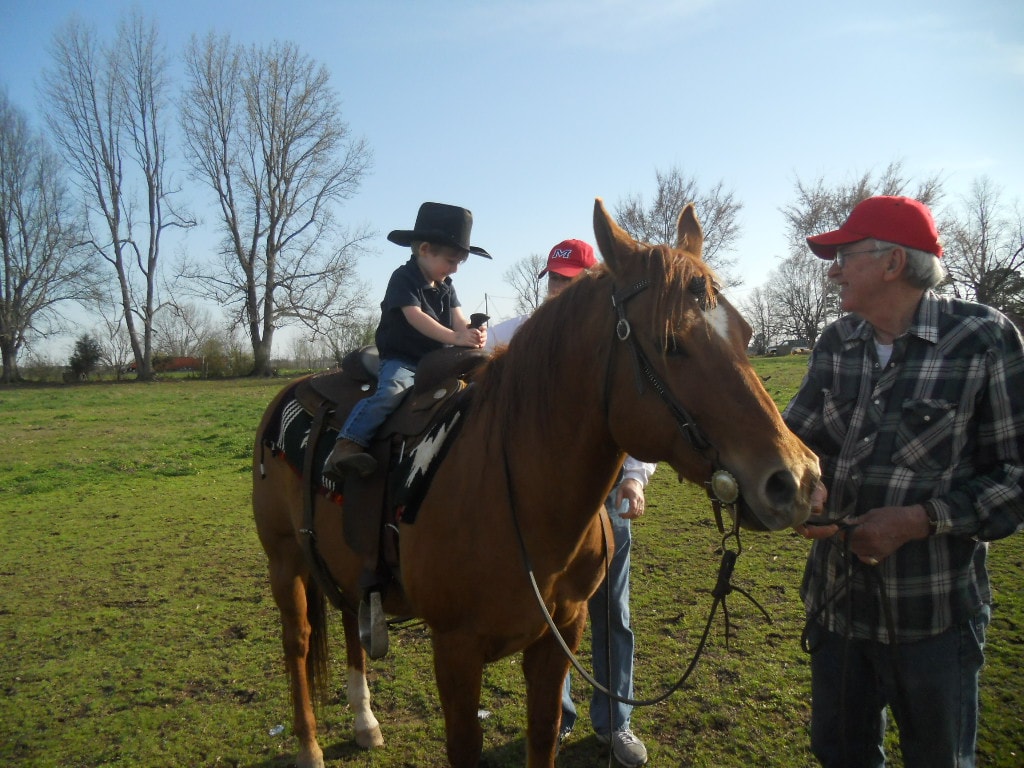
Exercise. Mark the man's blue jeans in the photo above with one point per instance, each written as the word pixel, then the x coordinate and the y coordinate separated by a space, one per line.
pixel 609 618
pixel 394 378
pixel 931 687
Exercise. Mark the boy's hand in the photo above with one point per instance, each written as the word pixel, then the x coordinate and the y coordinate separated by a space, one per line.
pixel 470 337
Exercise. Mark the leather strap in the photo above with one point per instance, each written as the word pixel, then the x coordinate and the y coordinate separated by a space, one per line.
pixel 308 531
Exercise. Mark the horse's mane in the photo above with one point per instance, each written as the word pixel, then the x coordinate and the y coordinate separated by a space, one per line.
pixel 516 382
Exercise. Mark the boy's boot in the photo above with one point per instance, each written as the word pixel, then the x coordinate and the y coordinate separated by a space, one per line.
pixel 347 457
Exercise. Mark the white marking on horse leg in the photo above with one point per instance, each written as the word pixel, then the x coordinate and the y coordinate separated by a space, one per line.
pixel 367 728
pixel 718 319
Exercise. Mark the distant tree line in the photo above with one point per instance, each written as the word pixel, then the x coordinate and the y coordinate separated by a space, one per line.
pixel 87 202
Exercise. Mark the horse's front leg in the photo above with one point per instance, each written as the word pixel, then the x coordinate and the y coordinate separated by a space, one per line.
pixel 367 728
pixel 458 667
pixel 544 667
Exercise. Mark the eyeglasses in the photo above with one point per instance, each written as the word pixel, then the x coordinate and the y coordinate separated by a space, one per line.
pixel 842 256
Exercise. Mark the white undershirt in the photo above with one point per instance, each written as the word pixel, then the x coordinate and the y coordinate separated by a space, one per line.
pixel 884 352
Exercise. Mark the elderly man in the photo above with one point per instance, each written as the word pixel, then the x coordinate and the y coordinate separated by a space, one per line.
pixel 915 405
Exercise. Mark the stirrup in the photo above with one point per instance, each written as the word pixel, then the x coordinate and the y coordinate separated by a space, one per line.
pixel 373 626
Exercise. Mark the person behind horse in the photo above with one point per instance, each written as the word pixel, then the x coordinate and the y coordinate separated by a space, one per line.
pixel 420 313
pixel 915 405
pixel 609 606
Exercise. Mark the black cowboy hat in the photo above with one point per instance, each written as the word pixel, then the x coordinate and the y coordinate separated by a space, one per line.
pixel 440 224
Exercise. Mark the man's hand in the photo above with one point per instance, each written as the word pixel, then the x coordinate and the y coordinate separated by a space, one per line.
pixel 877 533
pixel 809 530
pixel 881 531
pixel 631 490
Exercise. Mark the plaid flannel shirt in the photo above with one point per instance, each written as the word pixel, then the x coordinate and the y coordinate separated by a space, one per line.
pixel 943 425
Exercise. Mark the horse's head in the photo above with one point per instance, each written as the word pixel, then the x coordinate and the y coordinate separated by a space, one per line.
pixel 680 387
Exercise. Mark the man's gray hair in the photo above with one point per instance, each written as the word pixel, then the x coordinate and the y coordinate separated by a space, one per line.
pixel 924 270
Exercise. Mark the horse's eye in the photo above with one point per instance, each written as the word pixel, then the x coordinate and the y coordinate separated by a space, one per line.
pixel 674 347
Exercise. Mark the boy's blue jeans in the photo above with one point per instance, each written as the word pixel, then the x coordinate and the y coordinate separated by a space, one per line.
pixel 394 378
pixel 931 687
pixel 609 617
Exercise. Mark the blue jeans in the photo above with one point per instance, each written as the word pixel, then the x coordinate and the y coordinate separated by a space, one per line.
pixel 394 379
pixel 609 618
pixel 931 687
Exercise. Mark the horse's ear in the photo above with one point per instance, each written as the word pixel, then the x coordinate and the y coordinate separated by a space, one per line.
pixel 689 235
pixel 612 240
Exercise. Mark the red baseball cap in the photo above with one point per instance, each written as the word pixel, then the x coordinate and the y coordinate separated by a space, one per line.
pixel 569 258
pixel 901 220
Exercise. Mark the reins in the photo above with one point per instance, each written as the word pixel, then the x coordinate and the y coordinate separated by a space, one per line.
pixel 723 587
pixel 871 575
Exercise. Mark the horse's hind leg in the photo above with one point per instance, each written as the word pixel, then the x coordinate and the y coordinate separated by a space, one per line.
pixel 458 667
pixel 367 728
pixel 289 580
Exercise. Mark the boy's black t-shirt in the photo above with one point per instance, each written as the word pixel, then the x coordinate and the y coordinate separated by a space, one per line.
pixel 396 338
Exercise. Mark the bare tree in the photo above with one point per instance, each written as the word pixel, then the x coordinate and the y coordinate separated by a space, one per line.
pixel 105 107
pixel 800 288
pixel 41 267
pixel 822 206
pixel 263 130
pixel 521 277
pixel 182 329
pixel 717 209
pixel 111 331
pixel 759 309
pixel 801 297
pixel 348 335
pixel 983 243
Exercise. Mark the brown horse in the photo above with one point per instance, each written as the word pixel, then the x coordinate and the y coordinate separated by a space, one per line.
pixel 641 356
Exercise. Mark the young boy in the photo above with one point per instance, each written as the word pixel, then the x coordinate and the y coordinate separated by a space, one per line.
pixel 420 313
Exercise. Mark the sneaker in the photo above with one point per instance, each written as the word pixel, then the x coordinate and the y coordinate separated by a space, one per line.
pixel 626 747
pixel 563 734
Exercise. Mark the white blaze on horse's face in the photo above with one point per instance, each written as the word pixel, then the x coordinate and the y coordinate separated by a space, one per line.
pixel 718 319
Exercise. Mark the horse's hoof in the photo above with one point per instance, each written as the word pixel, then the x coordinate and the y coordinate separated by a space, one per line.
pixel 311 758
pixel 371 738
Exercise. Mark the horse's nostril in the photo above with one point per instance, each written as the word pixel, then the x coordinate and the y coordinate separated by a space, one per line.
pixel 781 488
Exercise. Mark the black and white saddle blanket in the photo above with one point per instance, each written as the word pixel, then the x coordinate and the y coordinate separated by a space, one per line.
pixel 411 476
pixel 414 460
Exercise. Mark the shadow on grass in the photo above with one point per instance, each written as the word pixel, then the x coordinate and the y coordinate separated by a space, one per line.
pixel 573 754
pixel 342 753
pixel 585 752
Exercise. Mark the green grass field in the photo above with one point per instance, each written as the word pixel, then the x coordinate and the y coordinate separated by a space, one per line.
pixel 138 628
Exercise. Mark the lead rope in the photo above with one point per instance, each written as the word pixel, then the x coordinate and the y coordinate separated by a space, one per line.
pixel 875 579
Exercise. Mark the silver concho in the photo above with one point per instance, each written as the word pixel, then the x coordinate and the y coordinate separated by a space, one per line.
pixel 725 487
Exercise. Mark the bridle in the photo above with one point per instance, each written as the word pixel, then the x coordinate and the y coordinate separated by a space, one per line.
pixel 722 488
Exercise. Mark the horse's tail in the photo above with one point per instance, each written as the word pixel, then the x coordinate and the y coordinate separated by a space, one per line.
pixel 317 666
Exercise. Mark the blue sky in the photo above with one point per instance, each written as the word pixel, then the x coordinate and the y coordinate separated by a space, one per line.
pixel 524 112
